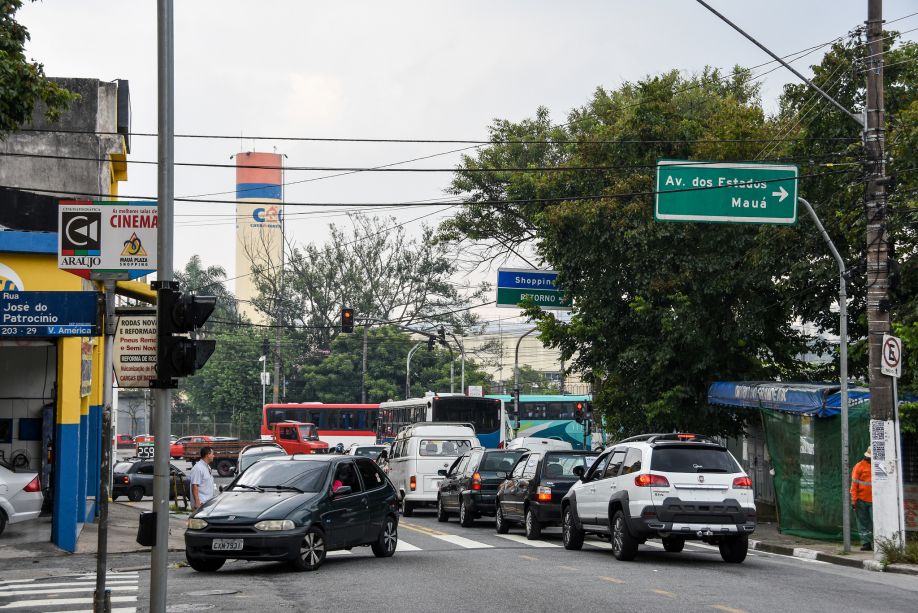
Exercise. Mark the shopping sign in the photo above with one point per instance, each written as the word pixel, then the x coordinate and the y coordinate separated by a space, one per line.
pixel 515 285
pixel 891 358
pixel 726 192
pixel 107 237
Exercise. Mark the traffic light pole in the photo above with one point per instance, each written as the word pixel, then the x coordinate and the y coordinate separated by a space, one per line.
pixel 101 598
pixel 165 39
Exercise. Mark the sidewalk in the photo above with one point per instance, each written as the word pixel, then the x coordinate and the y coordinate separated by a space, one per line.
pixel 767 538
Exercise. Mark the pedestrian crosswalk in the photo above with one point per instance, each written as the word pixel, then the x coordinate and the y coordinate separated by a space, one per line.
pixel 68 593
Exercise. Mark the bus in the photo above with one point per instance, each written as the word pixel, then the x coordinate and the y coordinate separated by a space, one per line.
pixel 485 414
pixel 551 417
pixel 343 423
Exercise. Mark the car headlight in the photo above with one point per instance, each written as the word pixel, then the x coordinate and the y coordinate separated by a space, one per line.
pixel 196 524
pixel 275 524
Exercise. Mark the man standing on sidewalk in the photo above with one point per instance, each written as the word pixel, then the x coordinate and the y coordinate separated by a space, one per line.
pixel 202 481
pixel 862 499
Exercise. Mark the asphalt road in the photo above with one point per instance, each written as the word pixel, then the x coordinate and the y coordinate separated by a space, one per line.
pixel 443 567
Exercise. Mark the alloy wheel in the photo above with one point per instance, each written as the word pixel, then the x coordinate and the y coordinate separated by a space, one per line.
pixel 390 536
pixel 312 548
pixel 617 537
pixel 566 528
pixel 462 513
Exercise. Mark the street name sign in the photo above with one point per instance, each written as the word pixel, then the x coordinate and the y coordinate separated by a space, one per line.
pixel 42 314
pixel 134 355
pixel 726 192
pixel 891 362
pixel 107 237
pixel 514 285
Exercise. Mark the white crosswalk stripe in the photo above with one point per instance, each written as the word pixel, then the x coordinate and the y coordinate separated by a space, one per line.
pixel 462 541
pixel 403 546
pixel 516 538
pixel 67 594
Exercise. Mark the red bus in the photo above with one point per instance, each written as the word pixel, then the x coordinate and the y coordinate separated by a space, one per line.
pixel 337 423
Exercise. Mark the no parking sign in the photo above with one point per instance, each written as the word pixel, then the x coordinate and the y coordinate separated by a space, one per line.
pixel 891 360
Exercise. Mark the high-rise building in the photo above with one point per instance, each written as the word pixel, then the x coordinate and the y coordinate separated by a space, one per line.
pixel 259 224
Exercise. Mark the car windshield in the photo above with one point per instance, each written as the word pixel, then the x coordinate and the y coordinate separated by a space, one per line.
pixel 368 452
pixel 122 467
pixel 561 465
pixel 692 460
pixel 305 476
pixel 443 447
pixel 500 461
pixel 250 457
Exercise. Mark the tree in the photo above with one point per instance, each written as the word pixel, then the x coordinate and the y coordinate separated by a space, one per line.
pixel 662 310
pixel 209 281
pixel 532 381
pixel 23 84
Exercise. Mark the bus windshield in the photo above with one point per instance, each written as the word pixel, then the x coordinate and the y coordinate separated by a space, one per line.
pixel 482 413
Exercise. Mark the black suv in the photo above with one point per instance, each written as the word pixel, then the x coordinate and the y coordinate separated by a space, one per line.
pixel 471 483
pixel 534 489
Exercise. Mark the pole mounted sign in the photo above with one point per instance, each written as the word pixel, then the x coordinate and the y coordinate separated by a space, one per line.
pixel 891 359
pixel 726 192
pixel 107 237
pixel 514 285
pixel 134 356
pixel 43 314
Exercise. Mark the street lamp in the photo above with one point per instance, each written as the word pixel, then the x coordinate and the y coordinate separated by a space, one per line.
pixel 264 377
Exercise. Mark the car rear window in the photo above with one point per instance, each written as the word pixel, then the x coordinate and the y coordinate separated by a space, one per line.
pixel 500 461
pixel 304 475
pixel 122 467
pixel 444 447
pixel 561 465
pixel 692 460
pixel 368 452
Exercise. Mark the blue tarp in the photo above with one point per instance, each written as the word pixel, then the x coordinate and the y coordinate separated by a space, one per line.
pixel 818 399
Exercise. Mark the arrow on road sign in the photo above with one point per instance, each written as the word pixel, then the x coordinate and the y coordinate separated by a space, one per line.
pixel 782 193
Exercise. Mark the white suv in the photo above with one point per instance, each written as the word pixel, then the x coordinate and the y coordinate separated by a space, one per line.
pixel 674 487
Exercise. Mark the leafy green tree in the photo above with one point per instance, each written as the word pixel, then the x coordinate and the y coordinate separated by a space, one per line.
pixel 209 281
pixel 23 84
pixel 532 381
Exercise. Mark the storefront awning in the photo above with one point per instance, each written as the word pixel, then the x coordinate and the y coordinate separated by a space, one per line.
pixel 817 399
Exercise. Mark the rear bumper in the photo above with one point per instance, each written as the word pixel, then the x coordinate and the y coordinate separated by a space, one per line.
pixel 483 504
pixel 695 519
pixel 546 512
pixel 23 507
pixel 284 545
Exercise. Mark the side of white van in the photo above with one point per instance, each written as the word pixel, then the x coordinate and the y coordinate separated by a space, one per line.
pixel 419 453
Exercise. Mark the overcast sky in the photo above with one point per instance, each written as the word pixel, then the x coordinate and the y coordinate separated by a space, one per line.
pixel 395 69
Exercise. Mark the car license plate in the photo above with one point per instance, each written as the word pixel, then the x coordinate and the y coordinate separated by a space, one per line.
pixel 226 545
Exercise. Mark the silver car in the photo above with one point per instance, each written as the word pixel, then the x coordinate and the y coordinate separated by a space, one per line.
pixel 20 496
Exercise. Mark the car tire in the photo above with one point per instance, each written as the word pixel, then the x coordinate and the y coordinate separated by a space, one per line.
pixel 570 533
pixel 313 548
pixel 386 544
pixel 466 516
pixel 203 565
pixel 407 508
pixel 624 546
pixel 734 548
pixel 135 494
pixel 442 515
pixel 2 521
pixel 225 468
pixel 501 525
pixel 673 544
pixel 114 497
pixel 532 526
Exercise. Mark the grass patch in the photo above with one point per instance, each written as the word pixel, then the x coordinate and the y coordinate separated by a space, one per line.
pixel 896 552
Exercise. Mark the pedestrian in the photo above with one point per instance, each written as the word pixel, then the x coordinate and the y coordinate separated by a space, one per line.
pixel 202 481
pixel 862 499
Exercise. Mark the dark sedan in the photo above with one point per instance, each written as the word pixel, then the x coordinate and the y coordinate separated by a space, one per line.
pixel 296 510
pixel 532 493
pixel 470 487
pixel 135 480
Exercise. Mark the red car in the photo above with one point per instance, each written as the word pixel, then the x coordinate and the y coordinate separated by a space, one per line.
pixel 177 449
pixel 123 441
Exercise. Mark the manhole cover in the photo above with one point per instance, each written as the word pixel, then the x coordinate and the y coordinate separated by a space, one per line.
pixel 212 593
pixel 181 608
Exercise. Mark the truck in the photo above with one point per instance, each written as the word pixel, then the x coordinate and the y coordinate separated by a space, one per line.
pixel 295 437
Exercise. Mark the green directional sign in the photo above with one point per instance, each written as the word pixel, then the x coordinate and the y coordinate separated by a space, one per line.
pixel 515 285
pixel 726 192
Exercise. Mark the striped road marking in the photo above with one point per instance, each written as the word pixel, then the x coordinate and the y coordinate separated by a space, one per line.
pixel 516 538
pixel 60 602
pixel 454 539
pixel 403 546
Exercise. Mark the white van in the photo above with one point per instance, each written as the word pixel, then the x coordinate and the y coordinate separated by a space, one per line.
pixel 419 452
pixel 535 443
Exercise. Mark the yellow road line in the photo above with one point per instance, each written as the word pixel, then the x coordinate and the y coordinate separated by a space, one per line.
pixel 727 609
pixel 421 529
pixel 611 579
pixel 569 568
pixel 529 558
pixel 664 593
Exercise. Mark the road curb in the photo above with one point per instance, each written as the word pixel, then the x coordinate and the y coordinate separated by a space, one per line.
pixel 812 554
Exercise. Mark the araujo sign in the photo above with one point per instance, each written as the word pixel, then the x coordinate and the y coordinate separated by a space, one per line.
pixel 516 285
pixel 726 192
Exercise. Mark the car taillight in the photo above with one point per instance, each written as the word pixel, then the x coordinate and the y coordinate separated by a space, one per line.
pixel 125 479
pixel 648 480
pixel 413 483
pixel 33 486
pixel 543 494
pixel 742 483
pixel 476 482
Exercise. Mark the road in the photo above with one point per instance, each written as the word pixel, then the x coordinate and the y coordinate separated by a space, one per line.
pixel 441 567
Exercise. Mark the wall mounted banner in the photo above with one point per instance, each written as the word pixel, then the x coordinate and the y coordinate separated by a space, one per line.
pixel 97 236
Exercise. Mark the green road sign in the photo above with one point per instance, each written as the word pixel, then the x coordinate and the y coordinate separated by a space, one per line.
pixel 726 192
pixel 545 298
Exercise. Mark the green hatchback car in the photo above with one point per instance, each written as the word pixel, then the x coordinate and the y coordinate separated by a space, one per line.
pixel 296 510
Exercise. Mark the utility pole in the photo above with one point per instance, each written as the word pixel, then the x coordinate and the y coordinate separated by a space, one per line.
pixel 363 374
pixel 886 463
pixel 165 44
pixel 279 311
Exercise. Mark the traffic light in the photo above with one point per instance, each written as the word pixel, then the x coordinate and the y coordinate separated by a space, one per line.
pixel 347 320
pixel 177 314
pixel 578 413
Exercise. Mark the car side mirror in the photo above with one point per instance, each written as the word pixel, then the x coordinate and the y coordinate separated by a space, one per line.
pixel 344 490
pixel 442 472
pixel 579 471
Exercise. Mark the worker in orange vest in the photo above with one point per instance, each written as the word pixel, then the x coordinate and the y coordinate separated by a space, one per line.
pixel 862 499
